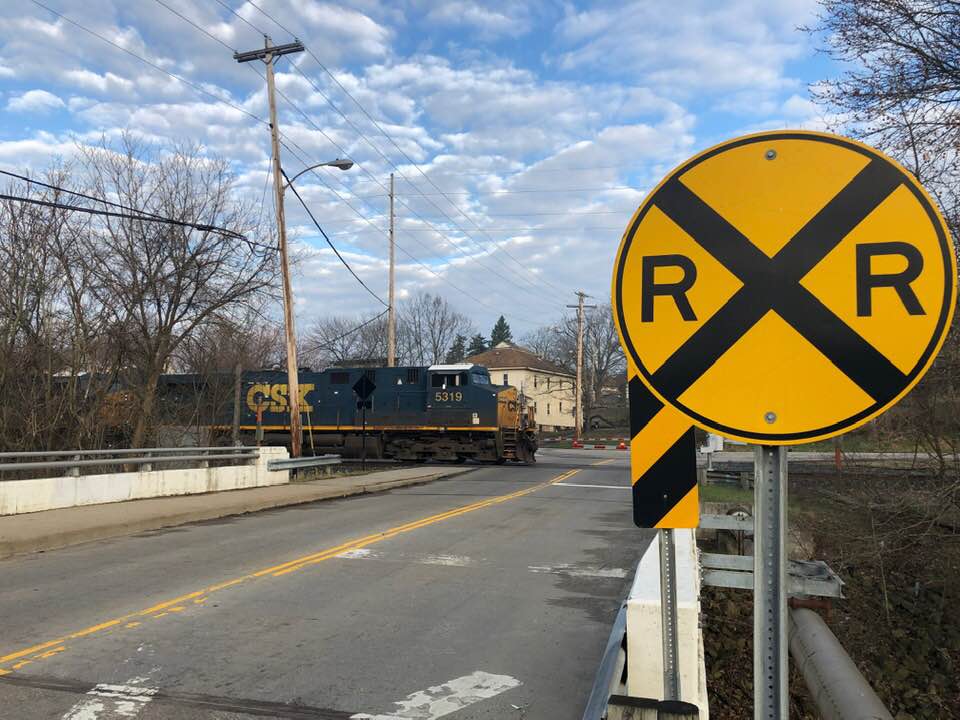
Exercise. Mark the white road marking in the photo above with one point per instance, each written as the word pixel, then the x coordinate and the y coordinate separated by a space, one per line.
pixel 440 700
pixel 448 560
pixel 579 571
pixel 112 702
pixel 359 554
pixel 605 487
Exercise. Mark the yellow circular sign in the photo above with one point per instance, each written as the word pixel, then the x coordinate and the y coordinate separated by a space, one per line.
pixel 784 287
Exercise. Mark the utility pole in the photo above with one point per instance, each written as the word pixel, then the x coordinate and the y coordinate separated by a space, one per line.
pixel 268 55
pixel 578 406
pixel 391 311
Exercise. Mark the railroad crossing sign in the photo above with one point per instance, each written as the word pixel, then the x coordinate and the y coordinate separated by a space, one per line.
pixel 784 287
pixel 364 387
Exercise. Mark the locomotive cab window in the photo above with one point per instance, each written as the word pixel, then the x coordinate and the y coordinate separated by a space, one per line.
pixel 479 378
pixel 448 380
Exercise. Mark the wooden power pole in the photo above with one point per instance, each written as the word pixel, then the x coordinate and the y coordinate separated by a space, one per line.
pixel 578 400
pixel 391 310
pixel 268 55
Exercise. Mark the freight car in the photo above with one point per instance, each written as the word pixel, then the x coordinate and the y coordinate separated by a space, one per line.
pixel 441 412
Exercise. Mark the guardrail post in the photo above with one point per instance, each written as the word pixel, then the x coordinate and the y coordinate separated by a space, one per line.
pixel 74 470
pixel 204 463
pixel 146 467
pixel 622 707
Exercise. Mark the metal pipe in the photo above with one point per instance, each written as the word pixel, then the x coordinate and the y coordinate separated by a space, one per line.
pixel 835 683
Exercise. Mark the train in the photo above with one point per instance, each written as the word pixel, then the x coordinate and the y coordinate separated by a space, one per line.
pixel 446 412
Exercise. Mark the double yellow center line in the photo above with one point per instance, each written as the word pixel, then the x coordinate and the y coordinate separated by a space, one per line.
pixel 21 658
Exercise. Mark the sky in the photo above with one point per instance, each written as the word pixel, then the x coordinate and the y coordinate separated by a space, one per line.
pixel 523 135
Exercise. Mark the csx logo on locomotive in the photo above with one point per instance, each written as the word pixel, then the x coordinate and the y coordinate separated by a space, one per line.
pixel 273 398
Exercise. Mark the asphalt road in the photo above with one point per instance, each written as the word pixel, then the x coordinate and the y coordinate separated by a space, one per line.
pixel 489 595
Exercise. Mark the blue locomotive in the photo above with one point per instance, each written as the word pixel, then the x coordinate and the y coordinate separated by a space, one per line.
pixel 441 412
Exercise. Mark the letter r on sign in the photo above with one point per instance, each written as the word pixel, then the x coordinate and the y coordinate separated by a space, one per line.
pixel 867 281
pixel 650 288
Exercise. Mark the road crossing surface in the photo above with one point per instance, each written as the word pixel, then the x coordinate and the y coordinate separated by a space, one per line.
pixel 489 595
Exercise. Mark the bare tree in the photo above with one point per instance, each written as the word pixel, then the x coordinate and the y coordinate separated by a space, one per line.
pixel 161 282
pixel 430 325
pixel 341 339
pixel 604 364
pixel 56 362
pixel 900 89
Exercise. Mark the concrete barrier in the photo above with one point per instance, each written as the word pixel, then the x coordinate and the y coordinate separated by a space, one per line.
pixel 644 629
pixel 34 495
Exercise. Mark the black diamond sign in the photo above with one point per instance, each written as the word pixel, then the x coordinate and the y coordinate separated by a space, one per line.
pixel 364 387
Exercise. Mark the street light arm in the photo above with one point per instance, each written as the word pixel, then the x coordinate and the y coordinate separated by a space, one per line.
pixel 342 164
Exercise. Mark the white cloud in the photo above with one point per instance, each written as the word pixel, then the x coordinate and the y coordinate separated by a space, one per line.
pixel 512 19
pixel 35 101
pixel 89 80
pixel 703 45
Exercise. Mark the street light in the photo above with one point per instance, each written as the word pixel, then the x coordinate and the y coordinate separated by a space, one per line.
pixel 293 379
pixel 338 163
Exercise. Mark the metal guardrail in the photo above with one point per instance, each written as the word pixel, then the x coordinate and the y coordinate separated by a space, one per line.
pixel 303 462
pixel 73 460
pixel 610 663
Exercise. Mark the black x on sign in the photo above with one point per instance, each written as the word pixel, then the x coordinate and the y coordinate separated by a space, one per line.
pixel 784 286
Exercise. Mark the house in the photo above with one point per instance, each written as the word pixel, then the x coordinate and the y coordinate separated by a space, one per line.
pixel 547 386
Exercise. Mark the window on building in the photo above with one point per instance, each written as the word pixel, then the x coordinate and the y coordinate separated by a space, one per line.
pixel 561 406
pixel 506 379
pixel 534 380
pixel 548 408
pixel 548 383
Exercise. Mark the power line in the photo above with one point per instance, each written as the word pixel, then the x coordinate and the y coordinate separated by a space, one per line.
pixel 343 150
pixel 522 190
pixel 411 161
pixel 33 181
pixel 194 85
pixel 328 343
pixel 411 256
pixel 198 27
pixel 332 246
pixel 131 216
pixel 250 24
pixel 399 247
pixel 524 275
pixel 588 228
pixel 439 232
pixel 402 202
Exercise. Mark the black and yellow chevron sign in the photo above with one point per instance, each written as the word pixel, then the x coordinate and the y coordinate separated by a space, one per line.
pixel 663 461
pixel 779 288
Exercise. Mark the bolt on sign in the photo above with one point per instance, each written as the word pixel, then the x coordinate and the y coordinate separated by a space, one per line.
pixel 781 288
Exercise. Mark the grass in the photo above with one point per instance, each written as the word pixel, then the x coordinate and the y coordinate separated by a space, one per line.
pixel 721 492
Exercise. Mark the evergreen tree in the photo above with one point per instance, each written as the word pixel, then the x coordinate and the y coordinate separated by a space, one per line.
pixel 477 345
pixel 500 333
pixel 458 349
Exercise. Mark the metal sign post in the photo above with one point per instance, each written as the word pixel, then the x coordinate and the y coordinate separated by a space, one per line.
pixel 363 436
pixel 668 615
pixel 364 388
pixel 770 632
